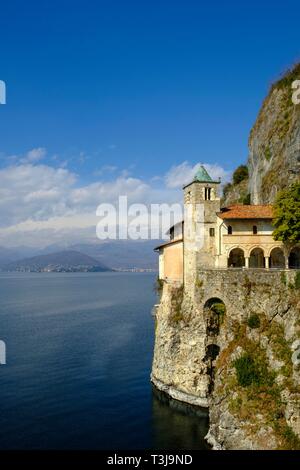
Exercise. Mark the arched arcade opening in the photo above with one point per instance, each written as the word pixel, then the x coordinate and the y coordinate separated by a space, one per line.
pixel 236 258
pixel 277 259
pixel 257 258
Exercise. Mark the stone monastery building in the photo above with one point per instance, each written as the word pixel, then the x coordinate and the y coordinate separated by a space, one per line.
pixel 238 236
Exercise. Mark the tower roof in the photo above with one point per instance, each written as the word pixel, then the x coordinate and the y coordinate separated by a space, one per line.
pixel 202 175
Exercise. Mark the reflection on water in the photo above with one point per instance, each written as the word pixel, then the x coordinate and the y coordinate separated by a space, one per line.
pixel 177 425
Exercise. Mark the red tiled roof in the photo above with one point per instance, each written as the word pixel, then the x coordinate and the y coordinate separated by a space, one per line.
pixel 247 212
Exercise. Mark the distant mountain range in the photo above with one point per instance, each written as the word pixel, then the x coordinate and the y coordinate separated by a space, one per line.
pixel 116 255
pixel 63 261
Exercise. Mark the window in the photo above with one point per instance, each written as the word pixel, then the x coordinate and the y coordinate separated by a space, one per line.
pixel 229 230
pixel 207 194
pixel 211 232
pixel 254 230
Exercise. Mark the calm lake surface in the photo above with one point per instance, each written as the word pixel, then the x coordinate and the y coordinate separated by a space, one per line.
pixel 79 352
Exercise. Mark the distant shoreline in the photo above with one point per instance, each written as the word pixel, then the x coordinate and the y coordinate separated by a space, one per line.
pixel 113 270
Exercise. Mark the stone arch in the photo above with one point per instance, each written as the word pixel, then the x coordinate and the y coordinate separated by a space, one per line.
pixel 257 258
pixel 236 258
pixel 294 258
pixel 277 259
pixel 214 311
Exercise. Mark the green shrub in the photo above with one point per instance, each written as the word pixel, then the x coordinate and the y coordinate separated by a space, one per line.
pixel 253 321
pixel 246 200
pixel 240 174
pixel 246 370
pixel 250 371
pixel 287 214
pixel 218 308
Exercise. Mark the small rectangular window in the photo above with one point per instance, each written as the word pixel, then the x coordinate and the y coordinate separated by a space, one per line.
pixel 207 194
pixel 212 232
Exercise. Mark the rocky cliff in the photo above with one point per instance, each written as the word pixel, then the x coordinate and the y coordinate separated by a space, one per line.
pixel 274 145
pixel 241 361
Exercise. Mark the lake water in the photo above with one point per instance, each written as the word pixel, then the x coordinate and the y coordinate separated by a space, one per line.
pixel 79 352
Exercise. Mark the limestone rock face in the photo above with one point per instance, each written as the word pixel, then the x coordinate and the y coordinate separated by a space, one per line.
pixel 274 146
pixel 274 143
pixel 237 194
pixel 178 367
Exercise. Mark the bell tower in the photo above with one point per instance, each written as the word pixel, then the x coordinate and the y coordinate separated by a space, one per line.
pixel 201 204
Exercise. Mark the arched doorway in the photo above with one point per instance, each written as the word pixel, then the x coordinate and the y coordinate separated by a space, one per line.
pixel 257 258
pixel 236 258
pixel 277 259
pixel 214 310
pixel 294 258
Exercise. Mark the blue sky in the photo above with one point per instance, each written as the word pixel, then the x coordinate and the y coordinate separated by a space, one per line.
pixel 118 89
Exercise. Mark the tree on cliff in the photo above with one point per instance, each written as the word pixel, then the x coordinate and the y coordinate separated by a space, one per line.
pixel 240 174
pixel 287 215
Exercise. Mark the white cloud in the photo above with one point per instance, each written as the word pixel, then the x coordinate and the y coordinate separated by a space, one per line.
pixel 40 204
pixel 34 155
pixel 105 169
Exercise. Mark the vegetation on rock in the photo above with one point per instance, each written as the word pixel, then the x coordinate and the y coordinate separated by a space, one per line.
pixel 237 191
pixel 257 388
pixel 253 321
pixel 240 174
pixel 287 79
pixel 251 371
pixel 272 141
pixel 176 306
pixel 287 214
